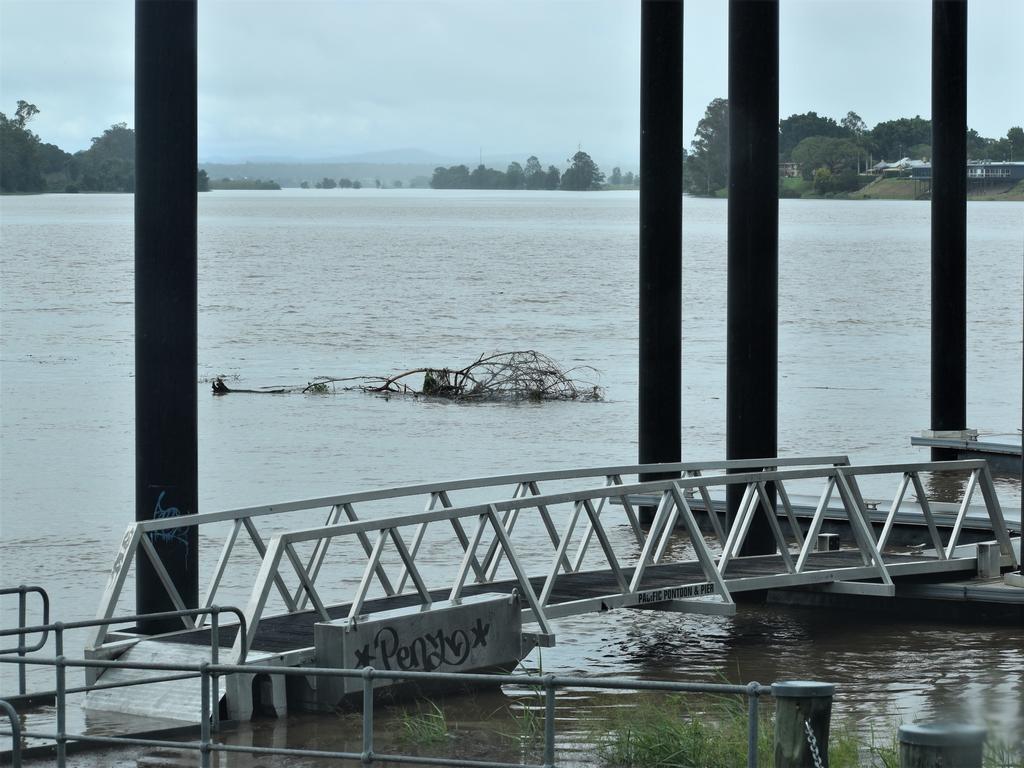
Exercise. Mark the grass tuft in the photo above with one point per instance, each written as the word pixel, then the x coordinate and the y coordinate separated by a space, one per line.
pixel 424 727
pixel 667 734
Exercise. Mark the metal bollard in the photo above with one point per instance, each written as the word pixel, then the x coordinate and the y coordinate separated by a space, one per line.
pixel 803 712
pixel 941 745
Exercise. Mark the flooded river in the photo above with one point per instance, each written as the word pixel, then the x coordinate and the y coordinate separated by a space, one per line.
pixel 299 284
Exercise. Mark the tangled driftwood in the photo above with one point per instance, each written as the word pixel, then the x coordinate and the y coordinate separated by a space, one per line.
pixel 523 375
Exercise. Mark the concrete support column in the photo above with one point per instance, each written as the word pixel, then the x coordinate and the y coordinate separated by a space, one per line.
pixel 753 313
pixel 166 393
pixel 949 221
pixel 661 233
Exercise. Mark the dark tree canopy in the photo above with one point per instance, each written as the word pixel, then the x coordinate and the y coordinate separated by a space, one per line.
pixel 455 177
pixel 534 173
pixel 706 165
pixel 817 152
pixel 796 128
pixel 108 165
pixel 892 139
pixel 582 174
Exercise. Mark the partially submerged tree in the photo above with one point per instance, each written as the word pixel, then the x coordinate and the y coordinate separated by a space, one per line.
pixel 505 376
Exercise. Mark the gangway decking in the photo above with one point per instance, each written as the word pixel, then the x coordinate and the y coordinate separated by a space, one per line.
pixel 497 565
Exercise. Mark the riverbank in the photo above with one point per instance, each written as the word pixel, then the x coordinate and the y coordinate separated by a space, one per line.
pixel 895 189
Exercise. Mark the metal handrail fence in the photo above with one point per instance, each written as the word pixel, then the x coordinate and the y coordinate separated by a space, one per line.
pixel 12 716
pixel 524 486
pixel 22 591
pixel 207 745
pixel 59 628
pixel 672 507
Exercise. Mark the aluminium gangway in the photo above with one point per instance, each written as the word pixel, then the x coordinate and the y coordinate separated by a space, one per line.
pixel 599 558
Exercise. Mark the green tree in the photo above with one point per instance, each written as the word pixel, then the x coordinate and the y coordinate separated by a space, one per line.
pixel 616 178
pixel 892 139
pixel 817 152
pixel 24 113
pixel 21 168
pixel 515 178
pixel 582 173
pixel 304 185
pixel 552 178
pixel 796 128
pixel 920 152
pixel 483 177
pixel 109 164
pixel 455 177
pixel 853 124
pixel 978 147
pixel 1015 140
pixel 707 162
pixel 326 183
pixel 628 179
pixel 822 178
pixel 534 173
pixel 357 184
pixel 345 183
pixel 202 181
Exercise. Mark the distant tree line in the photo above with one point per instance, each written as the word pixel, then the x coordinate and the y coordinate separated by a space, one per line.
pixel 29 165
pixel 581 175
pixel 227 183
pixel 830 154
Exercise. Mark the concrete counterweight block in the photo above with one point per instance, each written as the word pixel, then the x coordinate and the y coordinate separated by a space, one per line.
pixel 803 713
pixel 941 745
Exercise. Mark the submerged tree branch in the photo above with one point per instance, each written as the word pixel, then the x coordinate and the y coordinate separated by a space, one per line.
pixel 505 376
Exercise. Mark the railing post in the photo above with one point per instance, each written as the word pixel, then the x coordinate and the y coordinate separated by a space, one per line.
pixel 21 638
pixel 58 629
pixel 215 659
pixel 753 692
pixel 931 745
pixel 549 721
pixel 367 756
pixel 204 723
pixel 803 711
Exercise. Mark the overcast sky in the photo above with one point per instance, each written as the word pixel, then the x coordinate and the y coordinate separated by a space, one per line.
pixel 317 79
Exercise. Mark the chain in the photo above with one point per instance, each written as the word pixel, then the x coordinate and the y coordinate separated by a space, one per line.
pixel 813 744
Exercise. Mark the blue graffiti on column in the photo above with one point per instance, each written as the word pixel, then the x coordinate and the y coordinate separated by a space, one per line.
pixel 168 535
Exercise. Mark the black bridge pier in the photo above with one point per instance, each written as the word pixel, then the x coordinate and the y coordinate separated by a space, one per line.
pixel 949 221
pixel 753 260
pixel 661 234
pixel 166 392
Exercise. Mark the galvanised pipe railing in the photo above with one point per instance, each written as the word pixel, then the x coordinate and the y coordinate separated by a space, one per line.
pixel 16 735
pixel 22 591
pixel 206 745
pixel 59 628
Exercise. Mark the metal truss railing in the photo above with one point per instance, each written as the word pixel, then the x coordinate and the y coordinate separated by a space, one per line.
pixel 628 570
pixel 524 487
